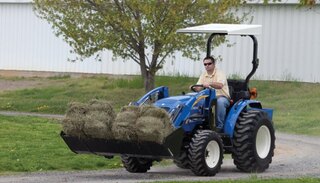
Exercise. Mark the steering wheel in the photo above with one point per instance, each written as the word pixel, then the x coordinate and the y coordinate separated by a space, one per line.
pixel 195 86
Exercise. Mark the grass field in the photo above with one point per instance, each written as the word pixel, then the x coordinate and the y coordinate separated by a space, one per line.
pixel 296 105
pixel 33 144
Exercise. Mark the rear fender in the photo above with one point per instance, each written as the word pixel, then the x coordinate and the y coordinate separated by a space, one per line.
pixel 234 113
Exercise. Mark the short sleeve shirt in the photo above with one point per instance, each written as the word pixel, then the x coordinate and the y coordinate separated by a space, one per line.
pixel 216 76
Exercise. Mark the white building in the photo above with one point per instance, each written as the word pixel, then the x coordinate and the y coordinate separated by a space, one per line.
pixel 288 47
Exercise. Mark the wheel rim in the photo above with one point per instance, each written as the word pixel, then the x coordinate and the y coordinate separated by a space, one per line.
pixel 212 154
pixel 263 142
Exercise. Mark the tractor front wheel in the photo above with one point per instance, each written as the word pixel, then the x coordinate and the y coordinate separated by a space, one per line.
pixel 136 165
pixel 254 141
pixel 205 153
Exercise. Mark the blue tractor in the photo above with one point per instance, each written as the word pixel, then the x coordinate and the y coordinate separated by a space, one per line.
pixel 248 133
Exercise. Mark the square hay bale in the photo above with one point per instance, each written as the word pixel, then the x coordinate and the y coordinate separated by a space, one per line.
pixel 148 110
pixel 150 129
pixel 124 131
pixel 97 129
pixel 93 119
pixel 73 127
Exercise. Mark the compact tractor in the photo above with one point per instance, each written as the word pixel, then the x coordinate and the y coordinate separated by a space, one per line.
pixel 195 144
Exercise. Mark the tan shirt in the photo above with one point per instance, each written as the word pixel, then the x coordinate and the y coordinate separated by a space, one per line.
pixel 216 76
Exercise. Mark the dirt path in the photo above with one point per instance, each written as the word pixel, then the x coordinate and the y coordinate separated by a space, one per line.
pixel 295 156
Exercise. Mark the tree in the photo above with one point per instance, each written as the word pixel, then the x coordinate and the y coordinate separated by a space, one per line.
pixel 140 30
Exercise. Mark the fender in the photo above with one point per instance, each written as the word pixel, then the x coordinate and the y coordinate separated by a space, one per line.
pixel 234 113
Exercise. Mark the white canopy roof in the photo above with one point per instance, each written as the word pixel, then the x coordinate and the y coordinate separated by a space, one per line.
pixel 230 29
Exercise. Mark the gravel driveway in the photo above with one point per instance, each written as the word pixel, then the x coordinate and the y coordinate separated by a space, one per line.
pixel 295 156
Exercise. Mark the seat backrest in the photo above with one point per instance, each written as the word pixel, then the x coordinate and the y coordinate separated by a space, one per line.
pixel 238 89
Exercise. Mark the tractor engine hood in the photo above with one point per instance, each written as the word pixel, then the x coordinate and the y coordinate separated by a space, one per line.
pixel 171 103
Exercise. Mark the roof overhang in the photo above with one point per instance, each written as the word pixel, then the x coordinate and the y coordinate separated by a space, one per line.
pixel 230 29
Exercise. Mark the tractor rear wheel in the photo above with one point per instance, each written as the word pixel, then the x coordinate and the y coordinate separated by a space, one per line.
pixel 254 141
pixel 136 165
pixel 206 153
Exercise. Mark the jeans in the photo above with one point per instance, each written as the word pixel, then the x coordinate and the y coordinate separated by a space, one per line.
pixel 222 104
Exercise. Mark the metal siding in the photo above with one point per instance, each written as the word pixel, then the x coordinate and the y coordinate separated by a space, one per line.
pixel 288 47
pixel 290 43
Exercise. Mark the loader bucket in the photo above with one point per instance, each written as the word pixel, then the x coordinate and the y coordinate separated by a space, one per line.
pixel 146 149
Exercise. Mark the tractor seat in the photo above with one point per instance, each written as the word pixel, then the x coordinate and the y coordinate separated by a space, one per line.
pixel 238 89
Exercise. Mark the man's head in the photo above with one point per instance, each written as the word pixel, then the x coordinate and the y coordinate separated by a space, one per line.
pixel 209 63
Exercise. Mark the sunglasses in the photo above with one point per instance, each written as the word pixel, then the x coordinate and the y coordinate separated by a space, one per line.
pixel 205 64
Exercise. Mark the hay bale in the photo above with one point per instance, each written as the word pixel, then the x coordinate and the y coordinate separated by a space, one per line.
pixel 149 129
pixel 73 127
pixel 154 124
pixel 76 109
pixel 92 120
pixel 148 110
pixel 102 106
pixel 74 121
pixel 97 129
pixel 131 108
pixel 124 127
pixel 124 131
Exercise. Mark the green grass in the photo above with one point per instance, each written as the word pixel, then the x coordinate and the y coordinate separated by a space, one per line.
pixel 31 144
pixel 55 97
pixel 295 104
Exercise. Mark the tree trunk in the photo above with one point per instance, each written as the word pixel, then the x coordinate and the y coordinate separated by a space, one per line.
pixel 148 81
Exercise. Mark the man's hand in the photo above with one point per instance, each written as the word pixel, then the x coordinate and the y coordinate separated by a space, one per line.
pixel 206 85
pixel 196 88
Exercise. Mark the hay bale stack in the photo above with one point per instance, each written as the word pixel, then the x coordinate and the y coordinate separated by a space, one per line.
pixel 75 119
pixel 145 123
pixel 99 120
pixel 154 124
pixel 124 126
pixel 92 120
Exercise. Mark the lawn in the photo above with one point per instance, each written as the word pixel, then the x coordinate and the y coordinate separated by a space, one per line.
pixel 295 104
pixel 31 144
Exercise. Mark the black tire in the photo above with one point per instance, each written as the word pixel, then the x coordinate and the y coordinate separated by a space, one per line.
pixel 206 153
pixel 253 141
pixel 136 165
pixel 183 160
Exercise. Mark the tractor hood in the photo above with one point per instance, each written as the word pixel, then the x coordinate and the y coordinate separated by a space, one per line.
pixel 170 103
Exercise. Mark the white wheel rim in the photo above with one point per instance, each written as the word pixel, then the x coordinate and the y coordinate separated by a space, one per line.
pixel 263 142
pixel 212 154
